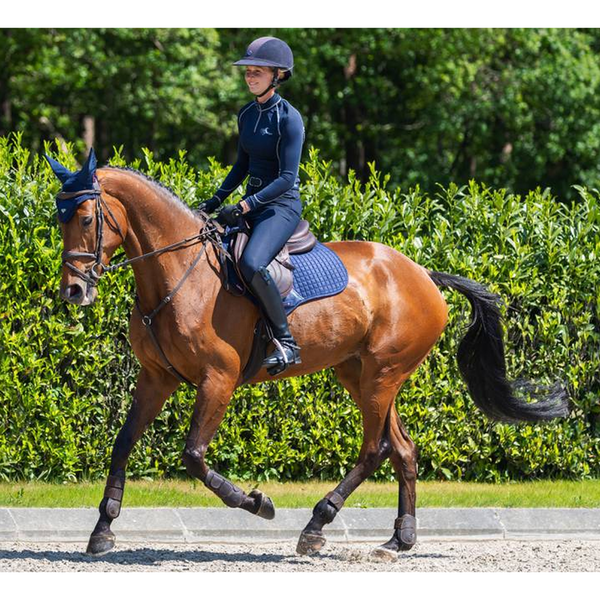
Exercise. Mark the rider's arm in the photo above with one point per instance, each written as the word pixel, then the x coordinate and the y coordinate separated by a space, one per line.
pixel 289 152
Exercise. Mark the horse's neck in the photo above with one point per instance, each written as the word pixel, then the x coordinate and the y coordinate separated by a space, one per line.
pixel 153 223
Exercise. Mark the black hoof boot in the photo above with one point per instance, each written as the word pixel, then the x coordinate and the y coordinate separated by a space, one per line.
pixel 312 539
pixel 406 532
pixel 404 538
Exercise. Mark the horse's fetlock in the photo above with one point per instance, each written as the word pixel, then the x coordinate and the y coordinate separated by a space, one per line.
pixel 325 511
pixel 192 459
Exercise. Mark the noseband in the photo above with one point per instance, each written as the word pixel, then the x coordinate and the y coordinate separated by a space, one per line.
pixel 91 276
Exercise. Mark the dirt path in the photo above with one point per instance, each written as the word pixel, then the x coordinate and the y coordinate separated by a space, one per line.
pixel 426 556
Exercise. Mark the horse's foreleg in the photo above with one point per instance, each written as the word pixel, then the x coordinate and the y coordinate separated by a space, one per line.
pixel 214 394
pixel 151 392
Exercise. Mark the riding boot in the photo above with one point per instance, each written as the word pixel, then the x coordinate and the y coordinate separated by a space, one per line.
pixel 287 352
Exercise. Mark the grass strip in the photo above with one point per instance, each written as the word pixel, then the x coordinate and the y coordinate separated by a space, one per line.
pixel 183 493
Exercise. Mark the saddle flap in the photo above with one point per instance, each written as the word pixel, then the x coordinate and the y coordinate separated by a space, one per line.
pixel 281 268
pixel 300 232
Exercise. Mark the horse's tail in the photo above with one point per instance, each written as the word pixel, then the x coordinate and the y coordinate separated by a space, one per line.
pixel 482 364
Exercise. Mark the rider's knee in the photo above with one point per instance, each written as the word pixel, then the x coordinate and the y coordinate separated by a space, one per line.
pixel 248 267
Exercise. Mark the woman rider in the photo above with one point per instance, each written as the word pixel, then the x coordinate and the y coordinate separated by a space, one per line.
pixel 271 134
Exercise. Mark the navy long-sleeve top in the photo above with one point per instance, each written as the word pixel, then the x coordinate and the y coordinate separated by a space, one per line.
pixel 269 150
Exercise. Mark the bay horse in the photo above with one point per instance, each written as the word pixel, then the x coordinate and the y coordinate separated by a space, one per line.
pixel 374 334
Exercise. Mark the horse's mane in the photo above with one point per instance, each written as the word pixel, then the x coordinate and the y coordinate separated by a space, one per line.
pixel 165 192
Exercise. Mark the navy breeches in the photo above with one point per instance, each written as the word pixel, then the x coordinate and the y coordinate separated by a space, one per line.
pixel 270 228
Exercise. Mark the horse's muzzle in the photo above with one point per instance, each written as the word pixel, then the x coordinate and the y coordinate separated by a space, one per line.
pixel 79 293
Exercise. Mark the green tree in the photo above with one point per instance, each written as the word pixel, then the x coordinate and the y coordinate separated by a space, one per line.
pixel 516 108
pixel 161 88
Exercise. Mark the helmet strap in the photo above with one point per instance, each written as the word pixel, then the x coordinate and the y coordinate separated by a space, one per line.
pixel 274 83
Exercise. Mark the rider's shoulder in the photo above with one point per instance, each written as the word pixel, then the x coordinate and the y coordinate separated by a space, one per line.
pixel 290 111
pixel 292 118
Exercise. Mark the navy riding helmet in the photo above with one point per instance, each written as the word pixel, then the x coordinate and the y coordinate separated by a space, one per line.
pixel 269 52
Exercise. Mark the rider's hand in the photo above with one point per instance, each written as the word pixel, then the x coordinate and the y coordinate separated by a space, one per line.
pixel 209 206
pixel 229 215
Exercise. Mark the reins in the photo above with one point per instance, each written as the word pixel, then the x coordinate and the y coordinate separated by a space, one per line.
pixel 209 228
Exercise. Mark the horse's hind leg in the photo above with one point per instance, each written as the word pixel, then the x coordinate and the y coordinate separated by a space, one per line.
pixel 374 394
pixel 404 461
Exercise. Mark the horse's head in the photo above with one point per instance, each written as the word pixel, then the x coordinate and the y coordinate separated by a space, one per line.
pixel 90 236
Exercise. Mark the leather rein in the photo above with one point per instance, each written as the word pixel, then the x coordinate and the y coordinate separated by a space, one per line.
pixel 91 276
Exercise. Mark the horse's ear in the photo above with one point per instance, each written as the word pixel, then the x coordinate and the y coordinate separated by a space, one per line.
pixel 89 168
pixel 61 172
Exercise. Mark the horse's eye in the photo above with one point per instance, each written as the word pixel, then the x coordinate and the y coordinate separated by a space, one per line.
pixel 87 221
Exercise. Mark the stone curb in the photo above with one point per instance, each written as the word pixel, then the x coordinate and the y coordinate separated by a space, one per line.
pixel 197 525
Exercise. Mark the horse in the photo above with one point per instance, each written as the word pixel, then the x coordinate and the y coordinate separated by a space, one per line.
pixel 187 327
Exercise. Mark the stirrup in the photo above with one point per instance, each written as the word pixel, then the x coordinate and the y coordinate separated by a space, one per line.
pixel 286 353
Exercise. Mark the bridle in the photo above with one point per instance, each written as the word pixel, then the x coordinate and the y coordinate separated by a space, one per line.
pixel 92 276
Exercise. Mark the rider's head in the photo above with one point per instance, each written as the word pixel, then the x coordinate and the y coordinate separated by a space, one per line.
pixel 269 61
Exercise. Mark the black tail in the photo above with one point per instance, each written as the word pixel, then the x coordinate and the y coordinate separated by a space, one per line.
pixel 482 364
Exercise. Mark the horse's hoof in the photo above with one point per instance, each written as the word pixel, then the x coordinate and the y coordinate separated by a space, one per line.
pixel 266 509
pixel 383 554
pixel 310 543
pixel 99 545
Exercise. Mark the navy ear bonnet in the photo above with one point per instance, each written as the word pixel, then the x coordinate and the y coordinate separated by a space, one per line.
pixel 85 179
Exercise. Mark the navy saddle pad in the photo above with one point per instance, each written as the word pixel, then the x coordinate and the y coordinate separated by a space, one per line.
pixel 318 273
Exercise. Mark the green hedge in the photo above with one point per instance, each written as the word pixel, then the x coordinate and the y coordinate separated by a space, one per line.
pixel 66 374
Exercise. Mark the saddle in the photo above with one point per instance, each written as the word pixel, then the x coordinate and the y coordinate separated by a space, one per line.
pixel 313 271
pixel 280 268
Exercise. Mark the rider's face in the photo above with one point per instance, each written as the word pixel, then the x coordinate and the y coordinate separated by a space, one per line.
pixel 258 79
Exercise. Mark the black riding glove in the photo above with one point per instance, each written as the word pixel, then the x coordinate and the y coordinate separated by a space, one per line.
pixel 230 215
pixel 209 206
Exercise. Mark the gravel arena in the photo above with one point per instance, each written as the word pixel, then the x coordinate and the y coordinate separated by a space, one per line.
pixel 427 556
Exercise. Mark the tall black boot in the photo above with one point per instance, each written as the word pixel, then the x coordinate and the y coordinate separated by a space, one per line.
pixel 287 352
